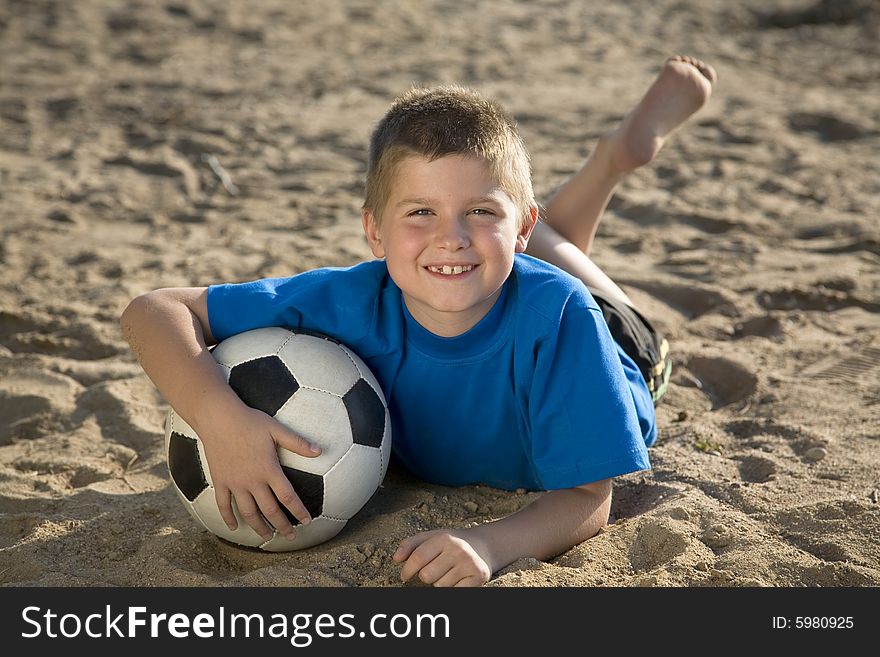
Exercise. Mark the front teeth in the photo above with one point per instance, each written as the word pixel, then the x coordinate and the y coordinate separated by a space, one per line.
pixel 446 270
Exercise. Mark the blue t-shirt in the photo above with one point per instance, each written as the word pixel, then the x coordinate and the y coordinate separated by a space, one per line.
pixel 537 395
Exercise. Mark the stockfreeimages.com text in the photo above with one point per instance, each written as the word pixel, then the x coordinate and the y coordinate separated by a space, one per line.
pixel 299 629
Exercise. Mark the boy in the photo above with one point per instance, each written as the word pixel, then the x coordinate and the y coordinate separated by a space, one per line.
pixel 498 367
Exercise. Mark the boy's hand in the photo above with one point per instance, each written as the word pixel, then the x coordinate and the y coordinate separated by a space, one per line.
pixel 545 528
pixel 443 558
pixel 243 459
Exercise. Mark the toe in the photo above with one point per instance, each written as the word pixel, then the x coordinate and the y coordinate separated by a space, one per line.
pixel 707 71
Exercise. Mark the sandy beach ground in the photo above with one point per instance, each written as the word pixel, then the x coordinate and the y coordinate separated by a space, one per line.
pixel 752 241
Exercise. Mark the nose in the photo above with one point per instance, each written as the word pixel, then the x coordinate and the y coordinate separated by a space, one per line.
pixel 452 233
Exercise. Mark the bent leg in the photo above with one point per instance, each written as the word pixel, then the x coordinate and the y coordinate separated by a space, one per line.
pixel 571 217
pixel 550 246
pixel 574 211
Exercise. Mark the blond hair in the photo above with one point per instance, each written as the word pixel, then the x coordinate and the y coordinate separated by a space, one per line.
pixel 448 120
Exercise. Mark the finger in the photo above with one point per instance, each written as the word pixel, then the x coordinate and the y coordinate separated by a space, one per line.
pixel 470 581
pixel 224 505
pixel 439 569
pixel 452 577
pixel 247 509
pixel 420 557
pixel 293 442
pixel 409 544
pixel 285 494
pixel 405 549
pixel 271 511
pixel 446 569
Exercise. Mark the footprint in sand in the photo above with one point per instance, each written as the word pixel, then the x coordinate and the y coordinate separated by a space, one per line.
pixel 839 237
pixel 33 402
pixel 647 215
pixel 692 301
pixel 62 108
pixel 852 369
pixel 708 223
pixel 869 245
pixel 629 247
pixel 722 380
pixel 814 297
pixel 823 12
pixel 841 530
pixel 125 410
pixel 756 469
pixel 830 230
pixel 751 433
pixel 762 326
pixel 758 432
pixel 63 473
pixel 633 499
pixel 827 127
pixel 26 331
pixel 164 163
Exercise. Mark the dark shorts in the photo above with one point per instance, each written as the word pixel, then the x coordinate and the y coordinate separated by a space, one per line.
pixel 640 340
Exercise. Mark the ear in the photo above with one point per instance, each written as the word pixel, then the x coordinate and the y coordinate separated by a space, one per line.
pixel 372 233
pixel 525 231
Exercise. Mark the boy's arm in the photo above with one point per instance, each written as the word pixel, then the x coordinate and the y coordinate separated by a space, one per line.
pixel 549 526
pixel 169 332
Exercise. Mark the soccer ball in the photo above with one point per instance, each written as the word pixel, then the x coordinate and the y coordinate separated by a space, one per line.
pixel 321 390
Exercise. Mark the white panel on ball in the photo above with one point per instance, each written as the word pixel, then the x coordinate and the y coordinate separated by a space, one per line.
pixel 317 531
pixel 365 372
pixel 319 363
pixel 347 483
pixel 320 418
pixel 251 345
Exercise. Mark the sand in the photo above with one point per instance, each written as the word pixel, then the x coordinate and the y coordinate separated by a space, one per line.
pixel 187 142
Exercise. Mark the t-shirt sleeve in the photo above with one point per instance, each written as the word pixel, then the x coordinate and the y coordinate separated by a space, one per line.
pixel 584 424
pixel 238 307
pixel 339 302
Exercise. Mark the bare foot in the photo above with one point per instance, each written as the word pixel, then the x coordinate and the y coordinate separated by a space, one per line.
pixel 682 87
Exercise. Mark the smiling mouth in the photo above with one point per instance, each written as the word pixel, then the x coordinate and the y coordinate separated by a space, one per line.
pixel 450 270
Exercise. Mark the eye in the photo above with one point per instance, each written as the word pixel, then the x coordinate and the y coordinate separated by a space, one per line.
pixel 482 212
pixel 421 212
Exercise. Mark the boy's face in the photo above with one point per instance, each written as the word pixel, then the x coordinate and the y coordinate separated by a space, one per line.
pixel 448 235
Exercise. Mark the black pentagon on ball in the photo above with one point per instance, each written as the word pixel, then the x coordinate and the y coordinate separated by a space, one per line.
pixel 366 414
pixel 186 466
pixel 310 489
pixel 263 383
